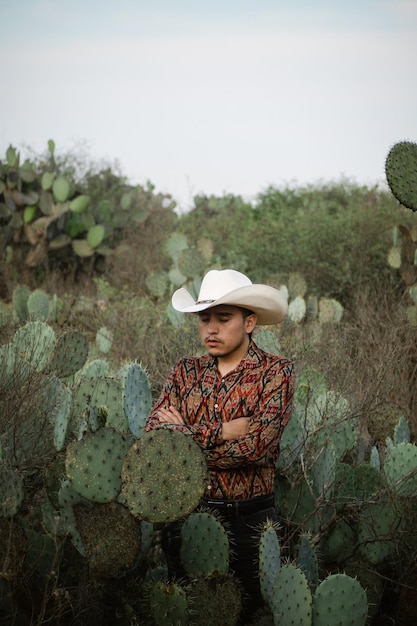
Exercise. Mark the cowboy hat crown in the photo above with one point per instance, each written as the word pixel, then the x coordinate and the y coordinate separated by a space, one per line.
pixel 234 288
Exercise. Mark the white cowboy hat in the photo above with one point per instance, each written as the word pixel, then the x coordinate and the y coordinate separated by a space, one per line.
pixel 232 287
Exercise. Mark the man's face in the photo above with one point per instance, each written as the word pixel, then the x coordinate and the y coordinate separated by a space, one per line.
pixel 224 329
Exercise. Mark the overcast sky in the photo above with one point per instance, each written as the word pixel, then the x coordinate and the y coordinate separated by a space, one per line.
pixel 213 96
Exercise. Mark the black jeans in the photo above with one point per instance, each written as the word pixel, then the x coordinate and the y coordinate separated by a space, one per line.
pixel 244 558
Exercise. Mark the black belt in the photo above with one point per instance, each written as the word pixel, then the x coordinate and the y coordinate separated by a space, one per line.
pixel 233 508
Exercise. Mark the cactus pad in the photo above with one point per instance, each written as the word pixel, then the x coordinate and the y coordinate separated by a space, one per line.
pixel 94 463
pixel 340 600
pixel 400 469
pixel 204 546
pixel 401 173
pixel 164 476
pixel 69 354
pixel 111 536
pixel 12 491
pixel 291 598
pixel 215 600
pixel 269 560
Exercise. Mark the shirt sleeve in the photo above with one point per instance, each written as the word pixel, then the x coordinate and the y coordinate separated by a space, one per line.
pixel 261 444
pixel 206 435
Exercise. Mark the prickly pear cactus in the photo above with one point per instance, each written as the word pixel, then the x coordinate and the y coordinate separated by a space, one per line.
pixel 93 464
pixel 111 536
pixel 215 600
pixel 400 469
pixel 291 597
pixel 12 491
pixel 340 600
pixel 137 398
pixel 168 604
pixel 269 560
pixel 401 173
pixel 307 560
pixel 164 476
pixel 69 354
pixel 105 395
pixel 204 546
pixel 38 306
pixel 34 342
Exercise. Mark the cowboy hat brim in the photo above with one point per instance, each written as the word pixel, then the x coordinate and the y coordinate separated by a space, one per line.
pixel 269 304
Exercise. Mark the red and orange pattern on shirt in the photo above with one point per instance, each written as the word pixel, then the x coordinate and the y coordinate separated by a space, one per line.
pixel 260 388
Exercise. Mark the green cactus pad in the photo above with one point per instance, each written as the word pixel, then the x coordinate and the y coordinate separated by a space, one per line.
pixel 68 498
pixel 38 306
pixel 137 397
pixel 340 543
pixel 61 189
pixel 204 546
pixel 164 476
pixel 340 600
pixel 61 421
pixel 400 469
pixel 111 536
pixel 80 204
pixel 269 560
pixel 215 600
pixel 401 173
pixel 291 597
pixel 307 560
pixel 12 491
pixel 20 298
pixel 168 604
pixel 69 354
pixel 105 394
pixel 380 524
pixel 94 463
pixel 34 342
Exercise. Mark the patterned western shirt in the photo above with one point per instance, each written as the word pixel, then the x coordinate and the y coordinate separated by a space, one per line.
pixel 261 387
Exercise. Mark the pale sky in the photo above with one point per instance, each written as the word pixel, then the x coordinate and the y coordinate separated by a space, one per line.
pixel 214 97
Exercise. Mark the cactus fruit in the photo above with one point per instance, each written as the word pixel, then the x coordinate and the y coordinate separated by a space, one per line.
pixel 12 491
pixel 269 560
pixel 401 173
pixel 291 597
pixel 164 476
pixel 102 527
pixel 204 546
pixel 94 464
pixel 215 600
pixel 340 600
pixel 168 604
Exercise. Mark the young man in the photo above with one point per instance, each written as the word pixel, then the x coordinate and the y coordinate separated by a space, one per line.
pixel 235 401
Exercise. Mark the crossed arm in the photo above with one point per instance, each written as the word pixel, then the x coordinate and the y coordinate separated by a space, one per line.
pixel 229 430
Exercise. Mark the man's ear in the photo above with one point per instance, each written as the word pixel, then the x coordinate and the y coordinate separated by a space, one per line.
pixel 250 322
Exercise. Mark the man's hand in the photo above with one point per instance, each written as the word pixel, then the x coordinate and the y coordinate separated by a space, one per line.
pixel 170 416
pixel 235 428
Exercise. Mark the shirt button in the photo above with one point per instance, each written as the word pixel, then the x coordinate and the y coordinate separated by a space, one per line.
pixel 216 406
